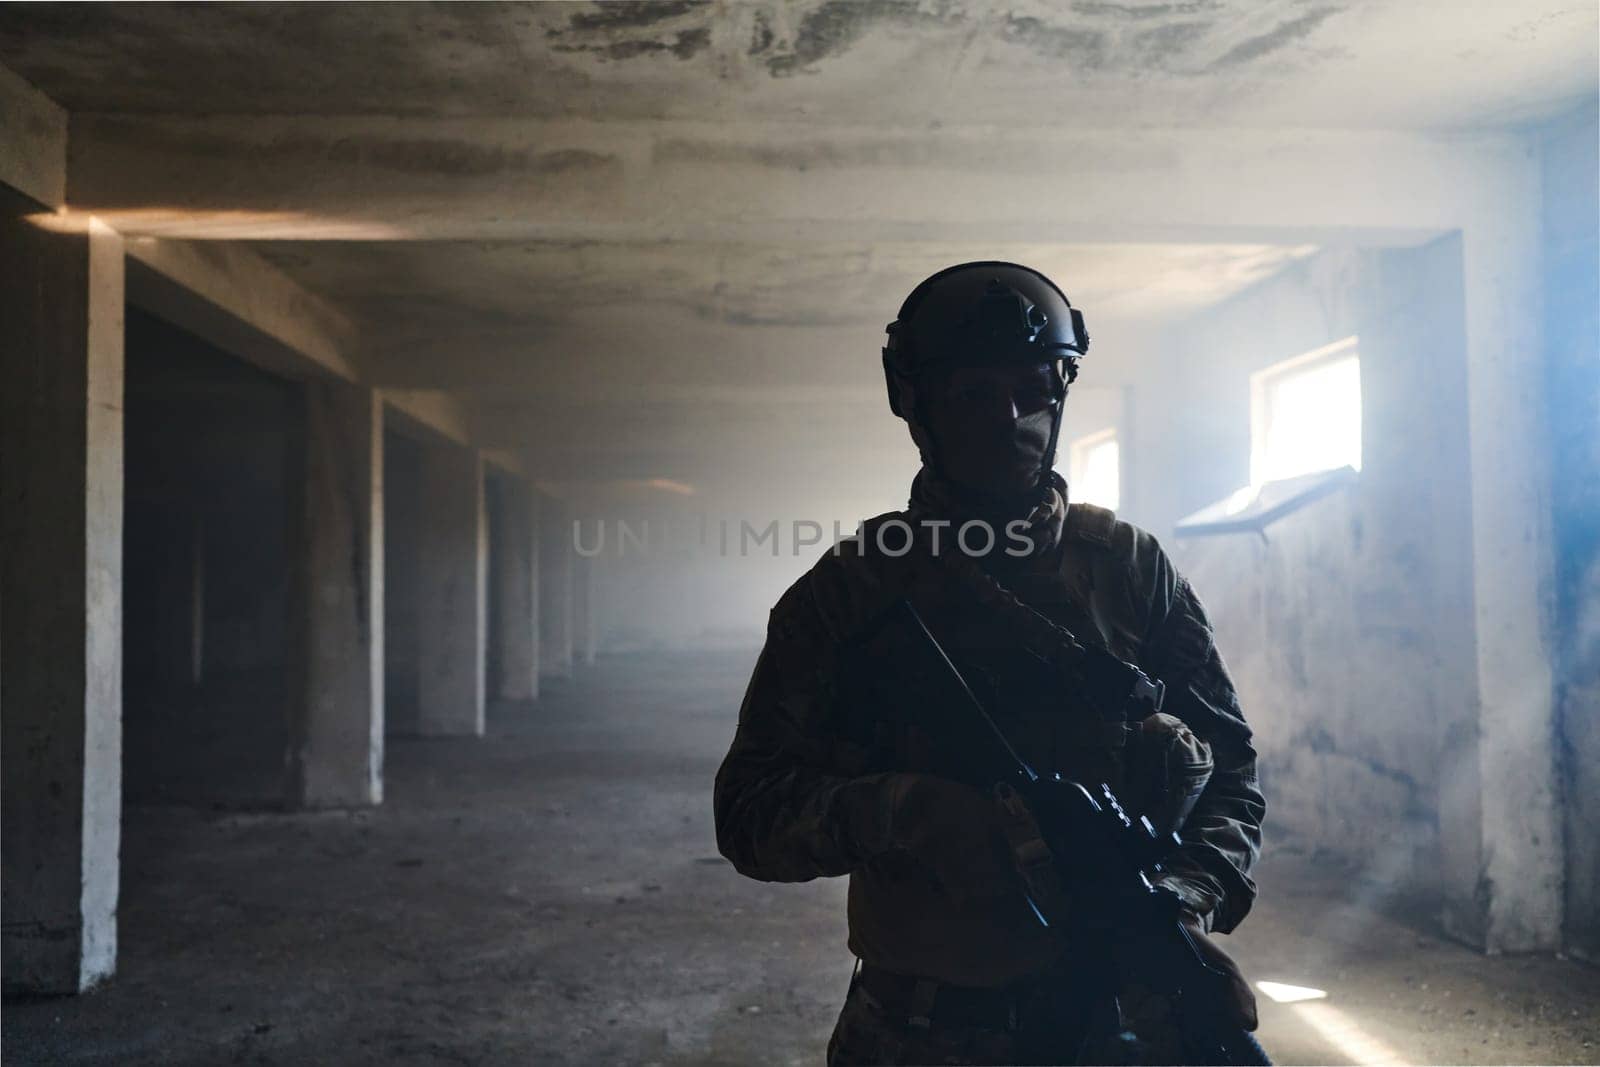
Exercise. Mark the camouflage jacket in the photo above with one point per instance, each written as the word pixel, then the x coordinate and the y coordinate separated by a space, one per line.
pixel 820 728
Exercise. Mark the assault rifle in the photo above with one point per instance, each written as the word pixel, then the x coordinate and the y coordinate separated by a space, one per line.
pixel 1101 859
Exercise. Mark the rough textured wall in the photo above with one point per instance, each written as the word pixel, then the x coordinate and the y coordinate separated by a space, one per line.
pixel 211 447
pixel 1572 303
pixel 401 521
pixel 1348 626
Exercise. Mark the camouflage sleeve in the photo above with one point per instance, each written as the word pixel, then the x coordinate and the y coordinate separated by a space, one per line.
pixel 784 811
pixel 1222 836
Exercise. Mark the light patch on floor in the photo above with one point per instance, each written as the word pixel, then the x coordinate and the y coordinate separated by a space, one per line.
pixel 1345 1034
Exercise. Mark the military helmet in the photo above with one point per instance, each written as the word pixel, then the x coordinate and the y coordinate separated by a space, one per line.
pixel 985 313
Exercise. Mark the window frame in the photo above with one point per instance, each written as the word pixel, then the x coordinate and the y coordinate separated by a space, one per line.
pixel 1261 383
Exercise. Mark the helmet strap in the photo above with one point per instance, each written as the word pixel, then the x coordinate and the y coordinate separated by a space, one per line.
pixel 1049 462
pixel 921 435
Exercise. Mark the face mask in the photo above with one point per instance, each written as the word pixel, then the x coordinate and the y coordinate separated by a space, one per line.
pixel 984 444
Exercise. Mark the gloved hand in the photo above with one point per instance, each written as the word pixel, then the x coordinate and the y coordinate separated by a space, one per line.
pixel 953 831
pixel 1167 770
pixel 1240 1001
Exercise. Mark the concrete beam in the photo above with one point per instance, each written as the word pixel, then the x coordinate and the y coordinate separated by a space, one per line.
pixel 241 303
pixel 33 142
pixel 452 616
pixel 428 415
pixel 338 740
pixel 506 461
pixel 61 493
pixel 368 178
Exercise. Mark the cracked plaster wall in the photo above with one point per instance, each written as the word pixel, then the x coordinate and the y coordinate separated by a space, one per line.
pixel 1572 304
pixel 1348 628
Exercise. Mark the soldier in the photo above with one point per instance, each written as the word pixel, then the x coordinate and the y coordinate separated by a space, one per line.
pixel 830 773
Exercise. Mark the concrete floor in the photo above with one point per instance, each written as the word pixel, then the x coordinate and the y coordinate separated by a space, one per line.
pixel 552 894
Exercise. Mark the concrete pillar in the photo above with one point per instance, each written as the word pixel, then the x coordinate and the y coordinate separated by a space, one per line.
pixel 556 556
pixel 1502 847
pixel 338 740
pixel 61 359
pixel 514 633
pixel 585 623
pixel 452 579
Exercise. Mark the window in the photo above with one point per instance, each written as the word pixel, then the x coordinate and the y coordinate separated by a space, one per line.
pixel 1306 414
pixel 1305 441
pixel 1094 469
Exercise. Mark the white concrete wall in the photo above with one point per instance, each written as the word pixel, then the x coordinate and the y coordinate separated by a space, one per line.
pixel 1348 628
pixel 1572 304
pixel 1397 645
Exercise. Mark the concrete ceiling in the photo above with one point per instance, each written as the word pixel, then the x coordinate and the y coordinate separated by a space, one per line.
pixel 509 301
pixel 1085 63
pixel 660 240
pixel 702 362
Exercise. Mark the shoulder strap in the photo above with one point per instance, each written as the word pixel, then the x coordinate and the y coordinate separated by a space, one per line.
pixel 1086 522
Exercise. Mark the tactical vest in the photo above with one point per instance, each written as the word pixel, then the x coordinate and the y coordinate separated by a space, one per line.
pixel 878 727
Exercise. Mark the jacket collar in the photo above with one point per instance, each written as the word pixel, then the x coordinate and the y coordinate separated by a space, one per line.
pixel 1043 516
